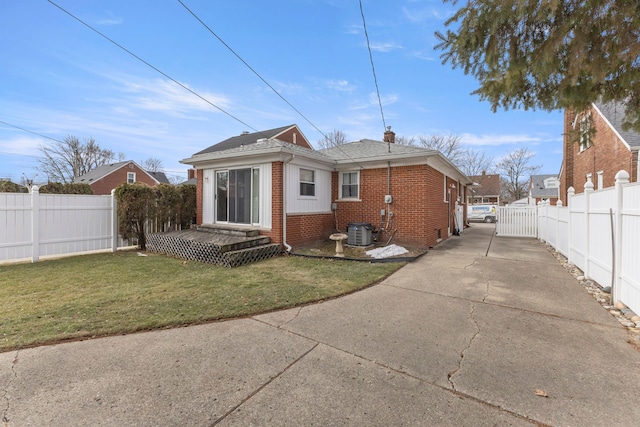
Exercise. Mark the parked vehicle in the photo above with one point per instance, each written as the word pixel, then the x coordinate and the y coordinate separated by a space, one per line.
pixel 486 213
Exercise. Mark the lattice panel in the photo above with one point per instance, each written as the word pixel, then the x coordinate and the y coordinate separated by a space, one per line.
pixel 208 252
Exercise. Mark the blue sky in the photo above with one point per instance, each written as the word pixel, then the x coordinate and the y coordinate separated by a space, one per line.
pixel 59 78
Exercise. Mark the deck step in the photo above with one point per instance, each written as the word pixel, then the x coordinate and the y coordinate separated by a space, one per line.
pixel 229 230
pixel 217 248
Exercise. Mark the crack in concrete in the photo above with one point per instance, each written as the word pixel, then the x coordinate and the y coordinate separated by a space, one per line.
pixel 293 318
pixel 451 374
pixel 5 392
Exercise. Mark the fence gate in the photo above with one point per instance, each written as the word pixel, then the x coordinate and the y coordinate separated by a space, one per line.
pixel 517 221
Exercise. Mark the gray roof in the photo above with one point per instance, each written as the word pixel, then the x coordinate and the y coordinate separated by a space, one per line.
pixel 104 170
pixel 614 112
pixel 160 177
pixel 244 139
pixel 538 189
pixel 99 172
pixel 368 149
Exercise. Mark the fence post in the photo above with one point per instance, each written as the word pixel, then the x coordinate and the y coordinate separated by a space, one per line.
pixel 622 177
pixel 114 221
pixel 35 224
pixel 588 189
pixel 558 209
pixel 570 193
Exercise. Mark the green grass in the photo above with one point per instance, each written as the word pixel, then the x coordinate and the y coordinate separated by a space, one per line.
pixel 106 294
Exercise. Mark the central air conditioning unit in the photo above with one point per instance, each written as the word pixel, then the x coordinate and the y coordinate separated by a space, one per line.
pixel 359 233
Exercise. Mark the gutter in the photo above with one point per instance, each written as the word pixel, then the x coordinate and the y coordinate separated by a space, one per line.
pixel 284 203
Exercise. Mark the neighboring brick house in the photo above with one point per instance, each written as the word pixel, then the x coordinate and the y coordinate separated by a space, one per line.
pixel 275 181
pixel 105 178
pixel 544 188
pixel 597 156
pixel 485 190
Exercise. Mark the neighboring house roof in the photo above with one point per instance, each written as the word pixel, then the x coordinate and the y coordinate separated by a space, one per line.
pixel 488 185
pixel 538 187
pixel 105 170
pixel 245 139
pixel 161 177
pixel 614 113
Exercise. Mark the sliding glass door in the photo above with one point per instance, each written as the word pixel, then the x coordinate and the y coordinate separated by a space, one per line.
pixel 235 190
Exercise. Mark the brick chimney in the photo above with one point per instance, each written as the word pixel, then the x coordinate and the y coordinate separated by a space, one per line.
pixel 191 173
pixel 389 136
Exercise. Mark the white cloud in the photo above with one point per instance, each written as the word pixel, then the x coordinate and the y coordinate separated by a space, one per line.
pixel 22 145
pixel 340 85
pixel 111 19
pixel 168 97
pixel 385 99
pixel 386 46
pixel 497 140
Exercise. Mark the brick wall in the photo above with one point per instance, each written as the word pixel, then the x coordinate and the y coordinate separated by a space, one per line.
pixel 295 135
pixel 117 177
pixel 276 204
pixel 304 229
pixel 418 203
pixel 607 153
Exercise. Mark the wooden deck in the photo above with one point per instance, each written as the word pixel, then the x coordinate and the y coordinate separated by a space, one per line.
pixel 226 246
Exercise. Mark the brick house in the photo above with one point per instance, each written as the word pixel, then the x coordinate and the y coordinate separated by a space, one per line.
pixel 105 178
pixel 600 155
pixel 485 190
pixel 275 181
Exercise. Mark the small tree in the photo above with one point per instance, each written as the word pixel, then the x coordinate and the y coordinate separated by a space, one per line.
pixel 136 203
pixel 474 162
pixel 514 168
pixel 152 164
pixel 68 159
pixel 449 145
pixel 332 139
pixel 186 212
pixel 405 140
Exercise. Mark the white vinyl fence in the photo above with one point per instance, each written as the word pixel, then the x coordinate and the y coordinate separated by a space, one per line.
pixel 517 221
pixel 599 232
pixel 40 225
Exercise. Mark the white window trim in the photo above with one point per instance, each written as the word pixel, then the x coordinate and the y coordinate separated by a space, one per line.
pixel 300 181
pixel 340 197
pixel 600 180
pixel 131 180
pixel 585 132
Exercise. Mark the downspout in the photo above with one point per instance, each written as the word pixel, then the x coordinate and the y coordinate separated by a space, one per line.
pixel 284 204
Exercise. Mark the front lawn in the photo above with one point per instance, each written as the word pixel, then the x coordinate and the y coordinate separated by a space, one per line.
pixel 106 294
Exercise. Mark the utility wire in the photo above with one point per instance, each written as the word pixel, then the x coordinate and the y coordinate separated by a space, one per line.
pixel 264 81
pixel 250 67
pixel 35 133
pixel 151 66
pixel 375 79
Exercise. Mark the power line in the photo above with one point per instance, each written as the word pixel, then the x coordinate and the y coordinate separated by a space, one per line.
pixel 35 133
pixel 263 80
pixel 375 79
pixel 151 66
pixel 250 67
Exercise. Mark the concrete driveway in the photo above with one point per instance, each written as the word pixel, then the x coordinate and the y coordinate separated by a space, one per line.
pixel 465 336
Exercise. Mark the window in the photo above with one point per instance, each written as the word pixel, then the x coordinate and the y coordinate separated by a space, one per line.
pixel 349 186
pixel 585 133
pixel 307 182
pixel 131 177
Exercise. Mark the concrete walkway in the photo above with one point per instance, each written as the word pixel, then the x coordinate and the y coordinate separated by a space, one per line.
pixel 462 337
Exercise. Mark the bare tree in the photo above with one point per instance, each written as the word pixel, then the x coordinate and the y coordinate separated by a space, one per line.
pixel 68 159
pixel 474 162
pixel 404 140
pixel 332 139
pixel 449 145
pixel 514 168
pixel 152 164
